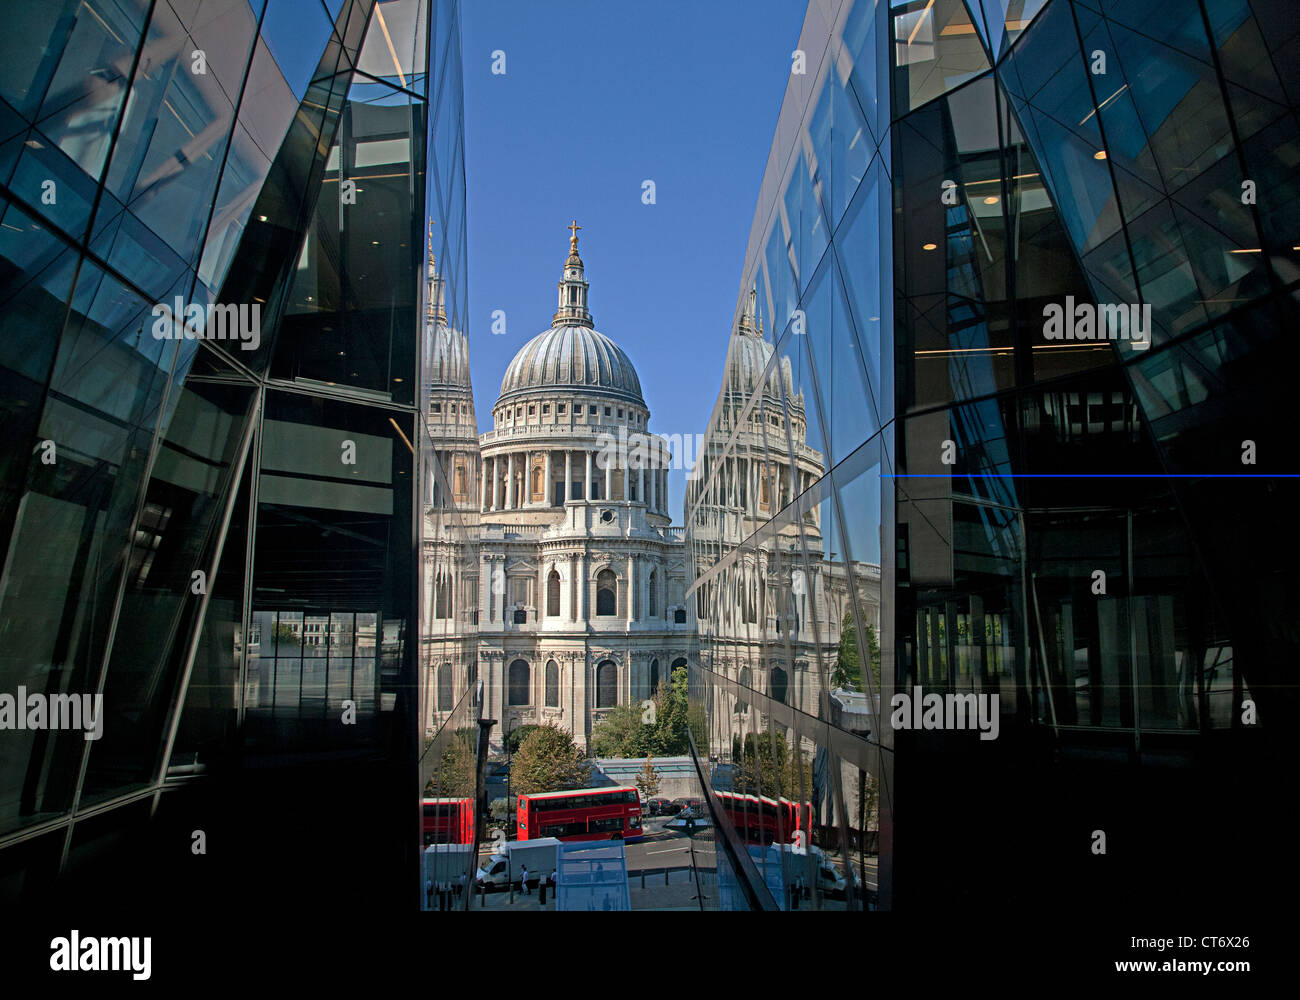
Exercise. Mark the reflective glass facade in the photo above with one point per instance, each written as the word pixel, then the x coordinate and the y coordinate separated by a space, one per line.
pixel 215 527
pixel 1087 530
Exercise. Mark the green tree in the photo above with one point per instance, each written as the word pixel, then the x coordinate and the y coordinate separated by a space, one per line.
pixel 766 766
pixel 516 737
pixel 848 665
pixel 454 776
pixel 671 709
pixel 647 782
pixel 622 734
pixel 285 633
pixel 548 761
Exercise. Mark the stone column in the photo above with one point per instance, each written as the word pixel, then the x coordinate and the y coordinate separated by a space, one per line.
pixel 581 583
pixel 609 481
pixel 625 478
pixel 654 475
pixel 482 487
pixel 586 489
pixel 568 475
pixel 510 481
pixel 548 491
pixel 631 588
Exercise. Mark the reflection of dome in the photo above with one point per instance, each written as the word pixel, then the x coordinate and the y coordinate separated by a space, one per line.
pixel 749 355
pixel 572 357
pixel 448 359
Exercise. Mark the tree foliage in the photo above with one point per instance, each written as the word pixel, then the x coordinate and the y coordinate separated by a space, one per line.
pixel 454 776
pixel 549 761
pixel 848 663
pixel 625 733
pixel 516 737
pixel 766 766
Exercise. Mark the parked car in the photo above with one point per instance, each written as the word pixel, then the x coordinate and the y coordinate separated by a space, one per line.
pixel 660 806
pixel 696 806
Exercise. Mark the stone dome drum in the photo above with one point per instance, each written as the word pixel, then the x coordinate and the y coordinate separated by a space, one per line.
pixel 572 357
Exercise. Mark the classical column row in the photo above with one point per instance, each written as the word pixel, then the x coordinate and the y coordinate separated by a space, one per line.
pixel 505 481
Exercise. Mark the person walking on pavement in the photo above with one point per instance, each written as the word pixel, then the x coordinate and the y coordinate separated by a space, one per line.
pixel 523 879
pixel 541 890
pixel 428 894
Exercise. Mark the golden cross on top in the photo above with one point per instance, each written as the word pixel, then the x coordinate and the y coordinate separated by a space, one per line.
pixel 573 235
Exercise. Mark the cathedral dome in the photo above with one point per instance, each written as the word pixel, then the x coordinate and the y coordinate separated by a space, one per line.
pixel 748 358
pixel 448 359
pixel 572 357
pixel 572 354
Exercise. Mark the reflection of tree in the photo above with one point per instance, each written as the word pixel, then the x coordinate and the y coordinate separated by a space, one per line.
pixel 284 633
pixel 848 663
pixel 766 766
pixel 454 776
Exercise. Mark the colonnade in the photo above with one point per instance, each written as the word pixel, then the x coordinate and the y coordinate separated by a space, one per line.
pixel 507 480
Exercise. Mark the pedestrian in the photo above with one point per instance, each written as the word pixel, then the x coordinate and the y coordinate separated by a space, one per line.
pixel 428 894
pixel 523 879
pixel 541 890
pixel 460 886
pixel 445 894
pixel 555 885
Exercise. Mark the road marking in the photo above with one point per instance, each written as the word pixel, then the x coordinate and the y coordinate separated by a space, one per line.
pixel 669 850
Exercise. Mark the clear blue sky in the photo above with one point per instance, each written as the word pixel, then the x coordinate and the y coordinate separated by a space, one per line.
pixel 598 96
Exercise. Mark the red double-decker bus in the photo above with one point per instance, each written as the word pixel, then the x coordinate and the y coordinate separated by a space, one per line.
pixel 581 814
pixel 760 820
pixel 448 821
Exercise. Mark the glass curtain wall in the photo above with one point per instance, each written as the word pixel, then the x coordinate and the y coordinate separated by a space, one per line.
pixel 210 518
pixel 787 513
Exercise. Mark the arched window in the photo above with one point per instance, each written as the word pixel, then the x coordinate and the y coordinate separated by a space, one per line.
pixel 552 684
pixel 553 594
pixel 537 482
pixel 780 684
pixel 653 609
pixel 520 680
pixel 606 593
pixel 444 688
pixel 606 685
pixel 442 595
pixel 654 676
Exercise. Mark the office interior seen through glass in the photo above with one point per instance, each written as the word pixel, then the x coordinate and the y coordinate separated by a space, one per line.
pixel 982 577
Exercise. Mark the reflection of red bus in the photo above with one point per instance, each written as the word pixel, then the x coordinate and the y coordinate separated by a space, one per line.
pixel 582 814
pixel 760 820
pixel 448 821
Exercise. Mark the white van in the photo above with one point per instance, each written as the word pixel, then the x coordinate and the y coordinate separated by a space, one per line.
pixel 502 868
pixel 794 863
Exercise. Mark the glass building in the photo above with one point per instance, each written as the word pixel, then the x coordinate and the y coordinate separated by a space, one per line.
pixel 1002 417
pixel 215 526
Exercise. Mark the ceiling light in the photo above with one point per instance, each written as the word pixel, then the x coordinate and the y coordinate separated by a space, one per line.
pixel 1099 155
pixel 991 200
pixel 929 246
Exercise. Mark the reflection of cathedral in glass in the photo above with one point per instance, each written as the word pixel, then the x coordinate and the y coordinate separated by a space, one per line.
pixel 552 572
pixel 774 615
